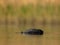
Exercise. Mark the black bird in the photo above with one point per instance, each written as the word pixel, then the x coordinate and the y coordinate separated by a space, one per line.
pixel 33 32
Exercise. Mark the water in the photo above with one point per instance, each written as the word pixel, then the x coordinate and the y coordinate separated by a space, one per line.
pixel 51 34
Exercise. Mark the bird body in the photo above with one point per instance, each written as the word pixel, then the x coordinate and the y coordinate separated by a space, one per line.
pixel 33 32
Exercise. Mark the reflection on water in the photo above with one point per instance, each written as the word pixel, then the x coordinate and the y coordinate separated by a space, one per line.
pixel 51 34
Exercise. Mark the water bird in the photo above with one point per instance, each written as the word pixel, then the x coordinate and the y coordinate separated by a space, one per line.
pixel 33 32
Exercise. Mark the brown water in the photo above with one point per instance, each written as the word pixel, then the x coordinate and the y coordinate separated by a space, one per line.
pixel 8 36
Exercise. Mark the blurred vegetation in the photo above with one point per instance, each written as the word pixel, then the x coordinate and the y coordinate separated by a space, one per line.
pixel 29 11
pixel 58 9
pixel 10 9
pixel 25 9
pixel 1 10
pixel 50 9
pixel 39 9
